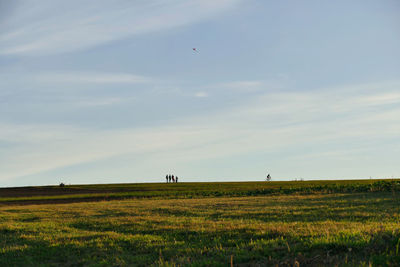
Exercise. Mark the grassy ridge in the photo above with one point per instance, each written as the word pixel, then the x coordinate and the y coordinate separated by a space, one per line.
pixel 81 193
pixel 312 223
pixel 351 229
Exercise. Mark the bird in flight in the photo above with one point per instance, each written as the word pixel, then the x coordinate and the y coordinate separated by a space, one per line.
pixel 195 49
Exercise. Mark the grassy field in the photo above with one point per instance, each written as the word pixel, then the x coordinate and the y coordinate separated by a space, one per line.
pixel 319 223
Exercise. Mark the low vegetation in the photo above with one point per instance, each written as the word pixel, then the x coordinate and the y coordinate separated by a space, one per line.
pixel 345 223
pixel 80 193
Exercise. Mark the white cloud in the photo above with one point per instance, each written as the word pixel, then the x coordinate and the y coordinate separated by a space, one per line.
pixel 381 99
pixel 242 84
pixel 89 77
pixel 97 102
pixel 51 27
pixel 40 148
pixel 201 94
pixel 274 122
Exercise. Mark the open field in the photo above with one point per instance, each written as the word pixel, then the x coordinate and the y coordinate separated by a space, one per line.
pixel 81 193
pixel 251 224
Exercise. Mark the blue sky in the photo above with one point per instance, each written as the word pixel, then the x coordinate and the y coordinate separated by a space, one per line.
pixel 111 91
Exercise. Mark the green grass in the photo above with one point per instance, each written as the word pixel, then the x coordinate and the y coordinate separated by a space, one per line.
pixel 80 193
pixel 311 223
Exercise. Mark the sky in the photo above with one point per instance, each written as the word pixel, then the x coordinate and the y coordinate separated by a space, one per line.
pixel 113 92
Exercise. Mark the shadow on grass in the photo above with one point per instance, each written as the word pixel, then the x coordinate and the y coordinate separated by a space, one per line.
pixel 150 247
pixel 349 207
pixel 113 213
pixel 30 218
pixel 355 208
pixel 99 250
pixel 174 212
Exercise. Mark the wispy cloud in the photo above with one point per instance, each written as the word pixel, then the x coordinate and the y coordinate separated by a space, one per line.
pixel 89 77
pixel 54 26
pixel 98 102
pixel 242 84
pixel 201 94
pixel 274 122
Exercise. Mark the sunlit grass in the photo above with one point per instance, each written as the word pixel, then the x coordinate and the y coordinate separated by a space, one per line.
pixel 310 229
pixel 80 193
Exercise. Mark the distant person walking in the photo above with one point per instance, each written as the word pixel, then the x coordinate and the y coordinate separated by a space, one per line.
pixel 169 178
pixel 173 179
pixel 166 178
pixel 176 179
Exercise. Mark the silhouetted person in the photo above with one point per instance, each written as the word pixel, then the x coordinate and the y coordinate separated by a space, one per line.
pixel 173 179
pixel 169 178
pixel 176 179
pixel 166 178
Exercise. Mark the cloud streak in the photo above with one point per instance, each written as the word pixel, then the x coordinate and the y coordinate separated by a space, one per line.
pixel 274 122
pixel 74 25
pixel 89 77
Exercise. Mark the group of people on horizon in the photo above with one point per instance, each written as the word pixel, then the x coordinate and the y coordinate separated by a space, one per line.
pixel 171 178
